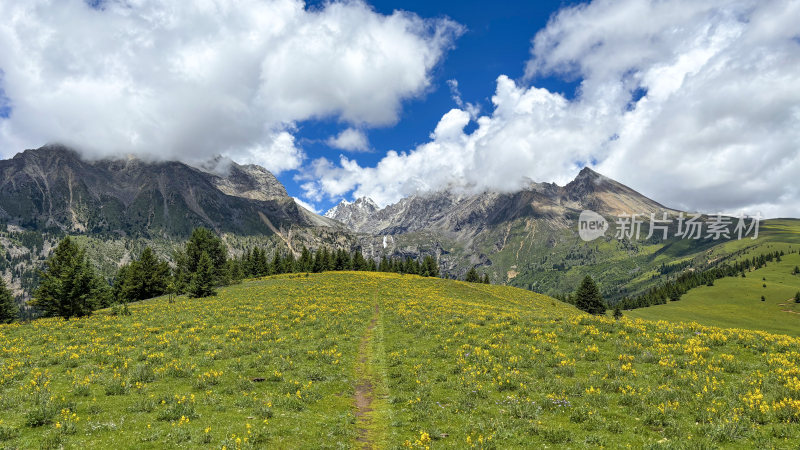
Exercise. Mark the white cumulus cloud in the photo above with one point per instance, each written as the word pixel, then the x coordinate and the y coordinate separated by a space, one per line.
pixel 693 103
pixel 351 140
pixel 190 80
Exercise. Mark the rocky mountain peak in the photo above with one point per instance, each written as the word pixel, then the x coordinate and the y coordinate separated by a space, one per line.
pixel 250 181
pixel 354 214
pixel 602 194
pixel 585 183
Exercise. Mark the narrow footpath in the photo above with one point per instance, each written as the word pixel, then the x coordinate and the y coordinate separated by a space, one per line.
pixel 370 390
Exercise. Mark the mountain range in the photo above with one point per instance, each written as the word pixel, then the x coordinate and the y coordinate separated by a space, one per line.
pixel 118 206
pixel 467 214
pixel 53 187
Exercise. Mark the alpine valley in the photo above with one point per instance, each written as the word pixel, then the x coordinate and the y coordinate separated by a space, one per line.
pixel 527 239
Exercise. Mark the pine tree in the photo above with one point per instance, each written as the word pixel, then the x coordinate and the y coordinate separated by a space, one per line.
pixel 485 279
pixel 202 284
pixel 235 270
pixel 202 241
pixel 8 307
pixel 588 298
pixel 120 282
pixel 384 265
pixel 430 268
pixel 306 263
pixel 263 267
pixel 319 261
pixel 472 276
pixel 277 263
pixel 289 263
pixel 617 313
pixel 342 260
pixel 411 266
pixel 359 263
pixel 247 263
pixel 69 286
pixel 144 278
pixel 181 276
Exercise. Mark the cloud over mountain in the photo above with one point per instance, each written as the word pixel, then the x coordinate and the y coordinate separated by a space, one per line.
pixel 189 80
pixel 693 103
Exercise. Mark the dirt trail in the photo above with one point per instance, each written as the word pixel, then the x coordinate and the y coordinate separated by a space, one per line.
pixel 365 391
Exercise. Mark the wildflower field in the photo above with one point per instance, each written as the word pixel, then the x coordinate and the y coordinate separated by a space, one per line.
pixel 353 359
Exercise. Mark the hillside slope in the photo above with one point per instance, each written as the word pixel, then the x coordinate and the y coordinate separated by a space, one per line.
pixel 735 302
pixel 353 359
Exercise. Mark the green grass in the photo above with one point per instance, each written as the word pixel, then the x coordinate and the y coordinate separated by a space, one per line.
pixel 275 363
pixel 735 302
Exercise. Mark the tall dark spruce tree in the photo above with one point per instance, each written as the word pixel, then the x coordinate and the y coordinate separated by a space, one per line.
pixel 144 278
pixel 69 285
pixel 588 297
pixel 8 307
pixel 202 284
pixel 187 261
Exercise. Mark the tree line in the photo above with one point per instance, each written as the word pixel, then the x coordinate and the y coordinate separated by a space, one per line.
pixel 71 286
pixel 255 263
pixel 673 290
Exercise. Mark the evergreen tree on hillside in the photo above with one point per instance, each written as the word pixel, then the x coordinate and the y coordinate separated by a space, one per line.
pixel 288 262
pixel 384 265
pixel 202 284
pixel 319 260
pixel 342 261
pixel 485 279
pixel 306 263
pixel 797 297
pixel 330 260
pixel 472 276
pixel 430 268
pixel 588 298
pixel 359 263
pixel 8 307
pixel 277 263
pixel 144 278
pixel 69 286
pixel 181 276
pixel 260 264
pixel 235 270
pixel 120 281
pixel 202 241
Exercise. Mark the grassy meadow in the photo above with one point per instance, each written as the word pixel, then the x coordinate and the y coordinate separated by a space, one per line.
pixel 735 302
pixel 360 359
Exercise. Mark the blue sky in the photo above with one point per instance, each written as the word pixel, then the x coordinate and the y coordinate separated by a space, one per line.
pixel 694 104
pixel 497 40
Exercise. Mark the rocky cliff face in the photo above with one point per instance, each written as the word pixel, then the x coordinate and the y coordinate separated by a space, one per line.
pixel 250 181
pixel 52 187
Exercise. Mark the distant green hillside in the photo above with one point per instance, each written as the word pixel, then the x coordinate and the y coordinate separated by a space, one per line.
pixel 552 260
pixel 735 302
pixel 359 359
